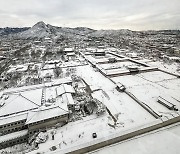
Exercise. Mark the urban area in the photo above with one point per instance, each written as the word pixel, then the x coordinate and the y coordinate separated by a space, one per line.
pixel 76 90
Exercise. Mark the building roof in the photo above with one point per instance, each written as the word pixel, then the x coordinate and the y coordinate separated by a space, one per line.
pixel 18 68
pixel 52 61
pixel 99 51
pixel 68 49
pixel 67 98
pixel 71 54
pixel 44 113
pixel 49 66
pixel 64 88
pixel 25 103
pixel 39 86
pixel 61 104
pixel 12 136
pixel 17 103
pixel 13 118
pixel 33 95
pixel 61 81
pixel 22 89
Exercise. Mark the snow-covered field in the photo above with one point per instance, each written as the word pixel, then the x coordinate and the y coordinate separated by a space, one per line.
pixel 165 141
pixel 146 87
pixel 169 67
pixel 123 113
pixel 127 111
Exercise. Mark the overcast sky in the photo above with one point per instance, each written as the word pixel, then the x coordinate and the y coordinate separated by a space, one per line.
pixel 97 14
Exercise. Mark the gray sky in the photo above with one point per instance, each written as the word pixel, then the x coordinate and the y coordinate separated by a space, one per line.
pixel 97 14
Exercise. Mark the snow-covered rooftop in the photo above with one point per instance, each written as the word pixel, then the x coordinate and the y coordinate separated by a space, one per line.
pixel 18 68
pixel 17 103
pixel 61 81
pixel 14 135
pixel 13 118
pixel 67 98
pixel 44 113
pixel 68 49
pixel 64 88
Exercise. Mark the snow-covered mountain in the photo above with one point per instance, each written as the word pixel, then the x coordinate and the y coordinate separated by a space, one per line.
pixel 104 33
pixel 41 30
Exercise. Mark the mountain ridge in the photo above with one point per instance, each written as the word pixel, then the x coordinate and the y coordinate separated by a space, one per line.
pixel 41 30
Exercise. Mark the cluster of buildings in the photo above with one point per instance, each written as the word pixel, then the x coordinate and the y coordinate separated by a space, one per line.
pixel 142 82
pixel 27 110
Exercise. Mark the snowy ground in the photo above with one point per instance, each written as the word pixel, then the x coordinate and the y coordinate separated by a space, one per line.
pixel 129 114
pixel 170 67
pixel 117 103
pixel 148 86
pixel 127 111
pixel 166 141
